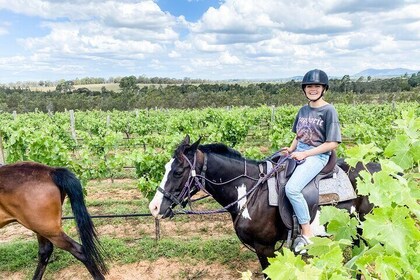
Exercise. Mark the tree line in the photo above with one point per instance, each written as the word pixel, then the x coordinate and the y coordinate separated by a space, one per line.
pixel 133 95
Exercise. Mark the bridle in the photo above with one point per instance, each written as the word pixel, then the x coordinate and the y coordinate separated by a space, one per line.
pixel 196 182
pixel 191 186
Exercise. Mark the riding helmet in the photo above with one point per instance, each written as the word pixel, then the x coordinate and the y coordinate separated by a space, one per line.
pixel 315 77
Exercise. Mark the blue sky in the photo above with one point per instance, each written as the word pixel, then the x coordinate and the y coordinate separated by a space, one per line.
pixel 209 39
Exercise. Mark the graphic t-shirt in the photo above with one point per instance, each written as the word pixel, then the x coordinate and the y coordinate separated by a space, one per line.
pixel 314 126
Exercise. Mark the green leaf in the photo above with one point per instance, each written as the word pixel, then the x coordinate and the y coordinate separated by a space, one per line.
pixel 309 272
pixel 415 151
pixel 393 227
pixel 399 145
pixel 323 245
pixel 365 183
pixel 365 261
pixel 339 223
pixel 389 267
pixel 361 153
pixel 284 266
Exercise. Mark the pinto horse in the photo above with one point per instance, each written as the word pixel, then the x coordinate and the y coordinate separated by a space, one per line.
pixel 32 194
pixel 230 179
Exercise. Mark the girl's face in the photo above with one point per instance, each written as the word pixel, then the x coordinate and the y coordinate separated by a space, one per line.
pixel 313 92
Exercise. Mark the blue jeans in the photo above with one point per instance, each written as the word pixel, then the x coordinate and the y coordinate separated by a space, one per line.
pixel 302 175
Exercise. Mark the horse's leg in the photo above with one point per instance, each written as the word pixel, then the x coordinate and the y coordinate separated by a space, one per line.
pixel 44 253
pixel 63 241
pixel 264 252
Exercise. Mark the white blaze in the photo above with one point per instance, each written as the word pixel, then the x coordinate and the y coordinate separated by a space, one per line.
pixel 241 203
pixel 154 205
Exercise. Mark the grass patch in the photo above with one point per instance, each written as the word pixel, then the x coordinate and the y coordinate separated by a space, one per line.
pixel 224 250
pixel 22 256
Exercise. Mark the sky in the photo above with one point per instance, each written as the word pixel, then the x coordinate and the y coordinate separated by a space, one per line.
pixel 50 40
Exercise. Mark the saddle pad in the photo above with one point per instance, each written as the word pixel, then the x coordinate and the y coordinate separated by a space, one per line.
pixel 336 189
pixel 273 199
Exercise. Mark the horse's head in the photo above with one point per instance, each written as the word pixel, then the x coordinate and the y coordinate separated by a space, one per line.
pixel 178 183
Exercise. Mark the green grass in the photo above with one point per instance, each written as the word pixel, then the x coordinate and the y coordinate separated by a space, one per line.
pixel 22 255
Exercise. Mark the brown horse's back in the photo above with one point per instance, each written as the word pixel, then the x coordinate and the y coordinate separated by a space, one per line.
pixel 29 196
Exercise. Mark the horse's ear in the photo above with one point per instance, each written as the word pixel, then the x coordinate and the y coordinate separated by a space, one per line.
pixel 194 146
pixel 185 144
pixel 186 140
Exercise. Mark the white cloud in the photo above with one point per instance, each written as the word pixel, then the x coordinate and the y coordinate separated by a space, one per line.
pixel 227 58
pixel 246 38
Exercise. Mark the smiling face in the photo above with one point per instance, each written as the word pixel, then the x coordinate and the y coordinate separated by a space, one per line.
pixel 313 92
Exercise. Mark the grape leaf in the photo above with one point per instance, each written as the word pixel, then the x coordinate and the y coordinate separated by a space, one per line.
pixel 284 266
pixel 393 227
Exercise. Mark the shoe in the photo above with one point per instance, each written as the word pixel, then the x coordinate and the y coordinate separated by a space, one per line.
pixel 300 242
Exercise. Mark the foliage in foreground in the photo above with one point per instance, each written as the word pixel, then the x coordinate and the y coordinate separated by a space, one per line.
pixel 391 232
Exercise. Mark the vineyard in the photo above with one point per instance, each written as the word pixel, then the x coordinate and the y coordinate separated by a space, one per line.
pixel 137 144
pixel 98 144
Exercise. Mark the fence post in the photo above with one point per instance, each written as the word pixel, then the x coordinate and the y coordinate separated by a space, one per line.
pixel 157 230
pixel 273 114
pixel 1 150
pixel 72 125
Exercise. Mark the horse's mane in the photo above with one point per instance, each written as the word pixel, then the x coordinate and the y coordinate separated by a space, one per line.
pixel 221 149
pixel 217 148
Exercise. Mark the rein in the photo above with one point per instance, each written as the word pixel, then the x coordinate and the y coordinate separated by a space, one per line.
pixel 200 185
pixel 194 181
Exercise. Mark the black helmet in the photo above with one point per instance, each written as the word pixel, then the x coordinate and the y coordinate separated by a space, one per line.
pixel 315 77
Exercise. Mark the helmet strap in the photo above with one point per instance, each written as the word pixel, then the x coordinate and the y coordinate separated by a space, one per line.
pixel 322 94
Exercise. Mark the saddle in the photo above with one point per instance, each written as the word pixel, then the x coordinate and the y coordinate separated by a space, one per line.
pixel 311 192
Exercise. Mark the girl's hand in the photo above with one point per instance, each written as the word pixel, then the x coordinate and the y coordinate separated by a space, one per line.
pixel 285 150
pixel 298 155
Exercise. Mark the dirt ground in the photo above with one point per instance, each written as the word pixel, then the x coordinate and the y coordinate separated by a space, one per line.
pixel 211 225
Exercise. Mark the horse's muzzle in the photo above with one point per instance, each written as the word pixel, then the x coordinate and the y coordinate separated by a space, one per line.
pixel 169 213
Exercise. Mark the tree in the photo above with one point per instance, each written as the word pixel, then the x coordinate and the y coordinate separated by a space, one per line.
pixel 64 86
pixel 128 83
pixel 345 83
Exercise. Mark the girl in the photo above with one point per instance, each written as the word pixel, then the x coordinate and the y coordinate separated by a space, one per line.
pixel 317 133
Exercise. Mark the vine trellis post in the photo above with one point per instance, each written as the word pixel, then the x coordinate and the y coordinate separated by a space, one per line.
pixel 72 126
pixel 2 161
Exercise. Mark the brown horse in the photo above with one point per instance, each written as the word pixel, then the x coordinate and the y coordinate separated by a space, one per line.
pixel 32 194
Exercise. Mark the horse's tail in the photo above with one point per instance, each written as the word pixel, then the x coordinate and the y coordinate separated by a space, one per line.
pixel 92 249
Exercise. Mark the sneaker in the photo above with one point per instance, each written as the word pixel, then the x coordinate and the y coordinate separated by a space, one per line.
pixel 300 242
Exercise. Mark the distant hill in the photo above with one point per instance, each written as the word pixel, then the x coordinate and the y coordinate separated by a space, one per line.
pixel 386 73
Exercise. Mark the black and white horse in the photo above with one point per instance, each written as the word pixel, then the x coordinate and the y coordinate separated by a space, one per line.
pixel 231 179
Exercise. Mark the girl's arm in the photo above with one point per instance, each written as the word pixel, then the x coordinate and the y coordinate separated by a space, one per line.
pixel 291 148
pixel 323 148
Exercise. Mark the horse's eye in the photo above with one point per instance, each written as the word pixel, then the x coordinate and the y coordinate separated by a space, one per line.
pixel 178 173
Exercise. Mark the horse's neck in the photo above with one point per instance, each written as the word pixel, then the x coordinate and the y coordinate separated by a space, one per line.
pixel 226 175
